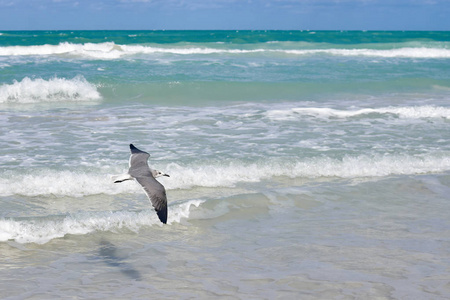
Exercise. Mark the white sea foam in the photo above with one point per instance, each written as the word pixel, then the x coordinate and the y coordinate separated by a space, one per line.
pixel 41 230
pixel 53 90
pixel 91 50
pixel 111 50
pixel 411 112
pixel 368 166
pixel 76 184
pixel 348 167
pixel 106 51
pixel 421 52
pixel 62 183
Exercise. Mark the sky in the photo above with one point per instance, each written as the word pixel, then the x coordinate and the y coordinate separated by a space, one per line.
pixel 225 14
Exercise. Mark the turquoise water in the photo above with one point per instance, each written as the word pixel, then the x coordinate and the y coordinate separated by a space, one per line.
pixel 303 164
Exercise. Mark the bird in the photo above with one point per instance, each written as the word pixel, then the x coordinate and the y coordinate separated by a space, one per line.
pixel 145 176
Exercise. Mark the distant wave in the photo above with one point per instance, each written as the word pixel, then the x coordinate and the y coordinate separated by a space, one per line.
pixel 90 50
pixel 78 184
pixel 110 50
pixel 421 52
pixel 40 230
pixel 411 112
pixel 53 90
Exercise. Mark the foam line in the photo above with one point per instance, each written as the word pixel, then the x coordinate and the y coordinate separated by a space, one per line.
pixel 410 112
pixel 110 50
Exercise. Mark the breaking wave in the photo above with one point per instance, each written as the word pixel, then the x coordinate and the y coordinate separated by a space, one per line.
pixel 41 230
pixel 78 184
pixel 110 50
pixel 53 90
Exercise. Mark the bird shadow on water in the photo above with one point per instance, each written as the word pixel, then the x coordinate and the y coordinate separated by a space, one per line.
pixel 108 252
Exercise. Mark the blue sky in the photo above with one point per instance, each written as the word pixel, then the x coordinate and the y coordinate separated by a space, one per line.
pixel 225 14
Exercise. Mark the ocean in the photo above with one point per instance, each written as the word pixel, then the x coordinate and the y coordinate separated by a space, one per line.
pixel 303 164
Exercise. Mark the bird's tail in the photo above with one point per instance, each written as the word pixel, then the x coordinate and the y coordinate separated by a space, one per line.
pixel 121 177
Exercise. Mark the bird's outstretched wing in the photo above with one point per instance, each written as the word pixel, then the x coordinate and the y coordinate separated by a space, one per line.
pixel 138 163
pixel 157 195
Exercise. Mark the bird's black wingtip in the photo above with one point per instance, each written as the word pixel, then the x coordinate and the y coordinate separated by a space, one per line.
pixel 162 215
pixel 136 150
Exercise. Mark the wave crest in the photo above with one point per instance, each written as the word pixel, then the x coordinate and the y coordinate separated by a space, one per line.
pixel 78 184
pixel 110 50
pixel 43 229
pixel 53 90
pixel 348 167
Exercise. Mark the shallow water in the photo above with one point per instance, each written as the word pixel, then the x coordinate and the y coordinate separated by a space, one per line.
pixel 302 165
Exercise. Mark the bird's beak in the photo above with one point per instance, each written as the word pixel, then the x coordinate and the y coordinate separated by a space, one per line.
pixel 166 175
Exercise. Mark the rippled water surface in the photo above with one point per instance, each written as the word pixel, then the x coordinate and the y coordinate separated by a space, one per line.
pixel 311 165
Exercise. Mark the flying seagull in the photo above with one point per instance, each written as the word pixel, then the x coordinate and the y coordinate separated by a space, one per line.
pixel 140 171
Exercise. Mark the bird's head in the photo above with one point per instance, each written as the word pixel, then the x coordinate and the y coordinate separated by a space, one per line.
pixel 157 174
